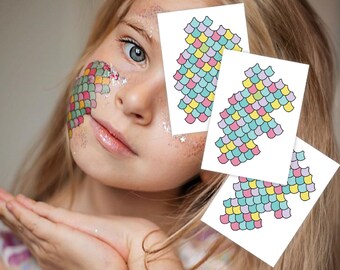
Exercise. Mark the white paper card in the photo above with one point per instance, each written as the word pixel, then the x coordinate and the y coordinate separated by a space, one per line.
pixel 192 44
pixel 255 117
pixel 263 217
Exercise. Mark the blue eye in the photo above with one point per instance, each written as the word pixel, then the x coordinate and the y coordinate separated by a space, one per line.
pixel 135 52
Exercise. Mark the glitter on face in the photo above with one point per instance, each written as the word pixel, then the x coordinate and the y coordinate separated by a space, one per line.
pixel 182 139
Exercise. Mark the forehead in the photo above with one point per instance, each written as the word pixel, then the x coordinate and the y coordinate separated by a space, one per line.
pixel 148 9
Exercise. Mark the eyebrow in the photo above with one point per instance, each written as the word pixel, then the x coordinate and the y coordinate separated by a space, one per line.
pixel 138 29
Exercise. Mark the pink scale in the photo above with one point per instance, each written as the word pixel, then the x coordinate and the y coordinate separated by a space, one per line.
pixel 190 119
pixel 297 172
pixel 203 117
pixel 235 161
pixel 223 159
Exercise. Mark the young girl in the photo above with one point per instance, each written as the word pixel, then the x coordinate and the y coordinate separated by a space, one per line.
pixel 135 192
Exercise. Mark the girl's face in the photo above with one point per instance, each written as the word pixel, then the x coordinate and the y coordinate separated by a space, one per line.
pixel 124 139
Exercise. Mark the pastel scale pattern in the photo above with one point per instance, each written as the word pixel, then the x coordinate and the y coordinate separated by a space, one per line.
pixel 96 78
pixel 248 115
pixel 200 64
pixel 254 197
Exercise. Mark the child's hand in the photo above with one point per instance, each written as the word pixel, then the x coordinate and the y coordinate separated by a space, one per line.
pixel 61 239
pixel 56 246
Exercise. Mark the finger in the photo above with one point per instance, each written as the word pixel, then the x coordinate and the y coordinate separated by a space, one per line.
pixel 6 196
pixel 10 221
pixel 97 227
pixel 38 226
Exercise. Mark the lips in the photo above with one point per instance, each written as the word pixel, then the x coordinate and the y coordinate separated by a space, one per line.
pixel 111 139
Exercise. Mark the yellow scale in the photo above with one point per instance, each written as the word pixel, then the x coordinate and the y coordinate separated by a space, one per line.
pixel 190 39
pixel 236 116
pixel 211 96
pixel 206 67
pixel 267 117
pixel 198 54
pixel 87 71
pixel 285 90
pixel 189 74
pixel 294 189
pixel 203 38
pixel 193 104
pixel 98 80
pixel 304 196
pixel 250 144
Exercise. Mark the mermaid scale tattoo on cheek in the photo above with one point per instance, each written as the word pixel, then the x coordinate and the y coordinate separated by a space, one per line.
pixel 96 78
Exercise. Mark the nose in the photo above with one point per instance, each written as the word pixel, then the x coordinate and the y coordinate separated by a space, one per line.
pixel 137 98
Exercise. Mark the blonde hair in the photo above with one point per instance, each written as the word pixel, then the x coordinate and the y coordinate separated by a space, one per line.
pixel 286 29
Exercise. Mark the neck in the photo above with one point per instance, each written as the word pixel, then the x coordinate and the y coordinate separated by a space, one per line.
pixel 94 198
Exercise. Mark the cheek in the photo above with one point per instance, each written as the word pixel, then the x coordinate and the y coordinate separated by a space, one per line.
pixel 97 79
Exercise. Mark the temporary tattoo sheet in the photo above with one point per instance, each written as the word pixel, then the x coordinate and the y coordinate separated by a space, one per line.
pixel 193 42
pixel 255 118
pixel 263 217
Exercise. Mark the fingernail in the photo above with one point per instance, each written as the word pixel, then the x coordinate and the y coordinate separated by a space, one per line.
pixel 10 206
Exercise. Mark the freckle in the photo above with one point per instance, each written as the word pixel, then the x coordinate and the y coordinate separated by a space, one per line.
pixel 83 138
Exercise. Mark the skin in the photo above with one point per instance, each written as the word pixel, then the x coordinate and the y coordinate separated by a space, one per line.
pixel 127 198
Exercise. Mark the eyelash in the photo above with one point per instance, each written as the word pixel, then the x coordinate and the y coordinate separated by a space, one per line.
pixel 128 40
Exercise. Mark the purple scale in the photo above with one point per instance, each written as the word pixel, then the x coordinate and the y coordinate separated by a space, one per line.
pixel 209 32
pixel 186 55
pixel 237 186
pixel 245 209
pixel 311 187
pixel 98 88
pixel 263 102
pixel 202 27
pixel 196 78
pixel 221 30
pixel 249 73
pixel 205 58
pixel 291 97
pixel 189 29
pixel 225 139
pixel 256 105
pixel 280 84
pixel 187 99
pixel 241 122
pixel 236 39
pixel 91 79
pixel 214 81
pixel 199 98
pixel 294 156
pixel 278 130
pixel 222 124
pixel 211 52
pixel 305 171
pixel 238 142
pixel 262 75
pixel 179 86
pixel 234 202
pixel 286 213
pixel 238 96
pixel 268 207
pixel 255 192
pixel 294 165
pixel 258 131
pixel 267 82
